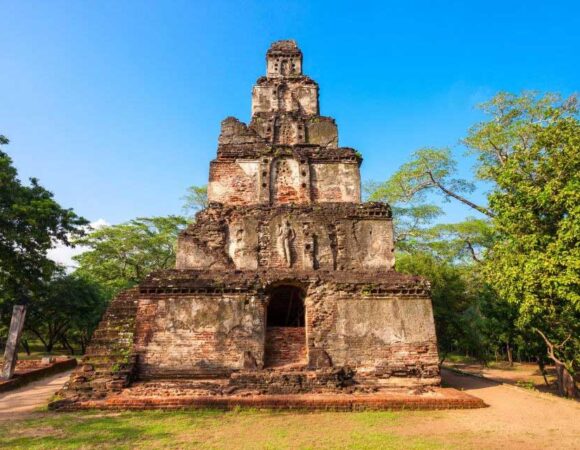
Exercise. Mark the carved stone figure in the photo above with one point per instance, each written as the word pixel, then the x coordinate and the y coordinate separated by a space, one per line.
pixel 286 236
pixel 239 247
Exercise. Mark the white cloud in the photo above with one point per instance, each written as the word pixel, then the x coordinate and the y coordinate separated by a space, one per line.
pixel 63 255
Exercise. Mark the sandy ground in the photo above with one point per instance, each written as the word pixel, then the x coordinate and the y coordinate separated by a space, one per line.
pixel 519 373
pixel 19 402
pixel 516 418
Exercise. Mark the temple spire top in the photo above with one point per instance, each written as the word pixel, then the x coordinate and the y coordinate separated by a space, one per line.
pixel 283 59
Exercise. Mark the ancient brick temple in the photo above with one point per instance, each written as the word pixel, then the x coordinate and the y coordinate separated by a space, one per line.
pixel 285 282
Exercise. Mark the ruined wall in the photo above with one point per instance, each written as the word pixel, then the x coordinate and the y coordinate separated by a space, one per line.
pixel 335 182
pixel 109 361
pixel 280 180
pixel 379 335
pixel 322 131
pixel 293 95
pixel 234 183
pixel 384 330
pixel 288 183
pixel 327 237
pixel 197 335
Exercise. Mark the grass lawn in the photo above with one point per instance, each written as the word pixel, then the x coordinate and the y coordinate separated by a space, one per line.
pixel 245 429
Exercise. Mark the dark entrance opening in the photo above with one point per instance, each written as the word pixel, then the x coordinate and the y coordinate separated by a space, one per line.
pixel 285 331
pixel 286 307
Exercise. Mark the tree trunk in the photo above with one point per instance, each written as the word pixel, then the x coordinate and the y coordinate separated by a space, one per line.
pixel 510 357
pixel 25 346
pixel 566 384
pixel 65 343
pixel 49 345
pixel 542 367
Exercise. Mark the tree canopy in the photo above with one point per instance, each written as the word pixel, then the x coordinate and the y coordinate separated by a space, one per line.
pixel 524 247
pixel 120 256
pixel 31 222
pixel 194 199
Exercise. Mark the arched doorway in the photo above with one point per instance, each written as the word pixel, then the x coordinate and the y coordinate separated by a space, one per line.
pixel 285 327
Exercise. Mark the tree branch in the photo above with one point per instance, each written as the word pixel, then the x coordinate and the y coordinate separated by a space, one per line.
pixel 410 193
pixel 472 251
pixel 550 347
pixel 481 209
pixel 563 342
pixel 500 156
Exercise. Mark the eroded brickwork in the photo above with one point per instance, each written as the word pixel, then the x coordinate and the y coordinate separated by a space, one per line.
pixel 284 284
pixel 338 236
pixel 201 335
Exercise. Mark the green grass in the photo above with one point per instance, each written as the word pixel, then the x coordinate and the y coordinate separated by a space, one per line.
pixel 210 429
pixel 37 351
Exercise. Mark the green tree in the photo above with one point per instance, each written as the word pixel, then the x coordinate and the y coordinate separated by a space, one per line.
pixel 536 263
pixel 194 200
pixel 527 151
pixel 66 312
pixel 31 222
pixel 430 170
pixel 461 242
pixel 120 256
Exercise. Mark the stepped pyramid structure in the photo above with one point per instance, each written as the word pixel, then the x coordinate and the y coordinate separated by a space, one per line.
pixel 284 283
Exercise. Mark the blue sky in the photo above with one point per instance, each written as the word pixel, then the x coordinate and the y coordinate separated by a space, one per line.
pixel 115 105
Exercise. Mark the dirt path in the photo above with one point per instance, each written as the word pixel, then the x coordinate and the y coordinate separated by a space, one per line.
pixel 515 419
pixel 21 401
pixel 519 373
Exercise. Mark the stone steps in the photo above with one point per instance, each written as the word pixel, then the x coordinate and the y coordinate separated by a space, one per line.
pixel 108 363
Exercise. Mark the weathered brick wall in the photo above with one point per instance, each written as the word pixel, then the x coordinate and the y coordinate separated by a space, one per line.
pixel 288 183
pixel 197 335
pixel 335 182
pixel 385 335
pixel 290 95
pixel 283 180
pixel 206 335
pixel 285 345
pixel 326 237
pixel 233 183
pixel 108 365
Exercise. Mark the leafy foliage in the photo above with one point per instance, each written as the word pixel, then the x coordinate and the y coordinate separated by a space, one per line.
pixel 195 199
pixel 120 256
pixel 527 248
pixel 31 222
pixel 430 170
pixel 536 264
pixel 66 312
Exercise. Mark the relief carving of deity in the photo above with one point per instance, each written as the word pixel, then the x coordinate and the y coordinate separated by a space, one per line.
pixel 239 247
pixel 286 236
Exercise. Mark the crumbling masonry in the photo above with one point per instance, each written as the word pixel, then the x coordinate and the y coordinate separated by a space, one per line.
pixel 284 283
